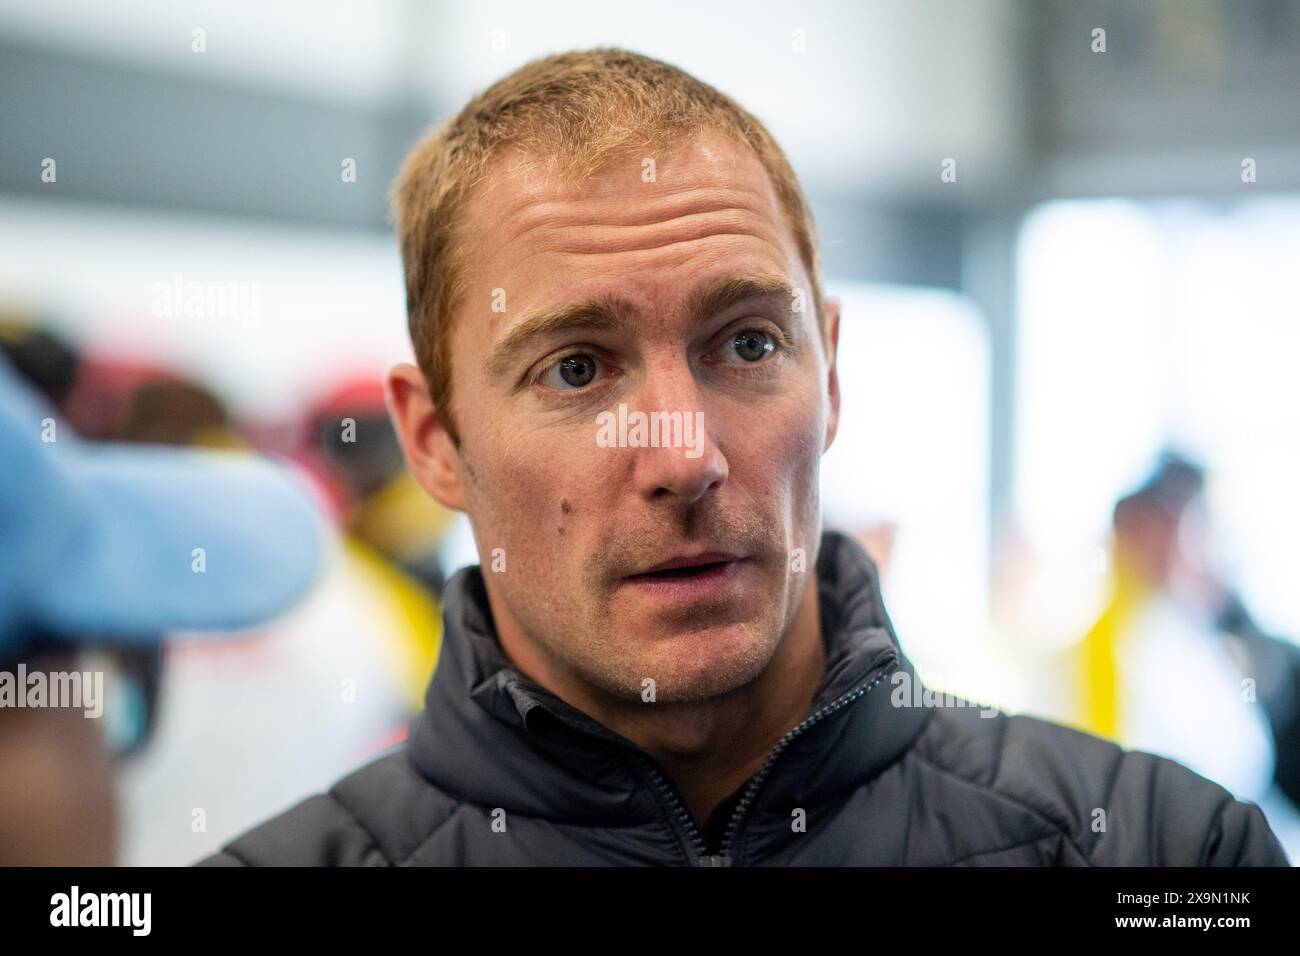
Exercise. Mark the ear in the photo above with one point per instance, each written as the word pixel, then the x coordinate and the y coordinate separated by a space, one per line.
pixel 833 377
pixel 430 454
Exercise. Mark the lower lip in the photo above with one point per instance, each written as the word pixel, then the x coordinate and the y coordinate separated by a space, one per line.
pixel 703 586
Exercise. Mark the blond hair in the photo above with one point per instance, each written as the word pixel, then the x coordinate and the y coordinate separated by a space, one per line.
pixel 575 111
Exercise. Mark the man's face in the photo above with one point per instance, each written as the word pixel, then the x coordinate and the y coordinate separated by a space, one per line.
pixel 579 507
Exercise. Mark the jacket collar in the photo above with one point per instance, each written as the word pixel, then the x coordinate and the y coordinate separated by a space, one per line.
pixel 493 736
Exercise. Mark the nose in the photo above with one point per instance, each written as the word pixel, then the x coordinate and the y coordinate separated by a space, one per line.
pixel 687 463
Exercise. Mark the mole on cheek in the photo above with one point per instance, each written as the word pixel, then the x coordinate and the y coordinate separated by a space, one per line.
pixel 565 506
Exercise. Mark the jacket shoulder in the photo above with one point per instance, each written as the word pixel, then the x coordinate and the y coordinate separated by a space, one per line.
pixel 377 815
pixel 1109 806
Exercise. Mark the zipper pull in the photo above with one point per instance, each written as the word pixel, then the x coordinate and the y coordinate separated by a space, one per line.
pixel 714 859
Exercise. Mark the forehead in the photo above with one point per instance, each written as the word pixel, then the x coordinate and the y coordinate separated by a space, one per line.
pixel 648 226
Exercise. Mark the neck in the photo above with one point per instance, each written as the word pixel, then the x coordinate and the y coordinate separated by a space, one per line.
pixel 711 747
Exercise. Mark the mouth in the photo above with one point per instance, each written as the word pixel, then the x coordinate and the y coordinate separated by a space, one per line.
pixel 690 580
pixel 686 566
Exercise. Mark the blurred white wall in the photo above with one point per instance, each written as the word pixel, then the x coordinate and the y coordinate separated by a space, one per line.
pixel 323 302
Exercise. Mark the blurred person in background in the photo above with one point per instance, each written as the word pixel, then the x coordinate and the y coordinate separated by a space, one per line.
pixel 391 529
pixel 300 698
pixel 318 689
pixel 105 549
pixel 1176 664
pixel 178 412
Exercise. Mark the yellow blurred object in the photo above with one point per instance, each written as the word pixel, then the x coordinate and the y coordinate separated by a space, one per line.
pixel 414 635
pixel 401 523
pixel 1097 654
pixel 400 520
pixel 218 436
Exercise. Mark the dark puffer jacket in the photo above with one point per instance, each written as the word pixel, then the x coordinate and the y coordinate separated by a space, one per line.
pixel 499 771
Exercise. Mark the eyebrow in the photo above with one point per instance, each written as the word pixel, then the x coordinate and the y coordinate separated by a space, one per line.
pixel 611 313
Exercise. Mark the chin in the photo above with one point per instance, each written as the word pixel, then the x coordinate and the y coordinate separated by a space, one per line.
pixel 696 665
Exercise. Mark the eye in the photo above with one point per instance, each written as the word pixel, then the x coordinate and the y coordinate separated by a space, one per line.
pixel 753 345
pixel 571 372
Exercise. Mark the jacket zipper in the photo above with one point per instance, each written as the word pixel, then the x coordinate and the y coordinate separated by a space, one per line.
pixel 679 808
